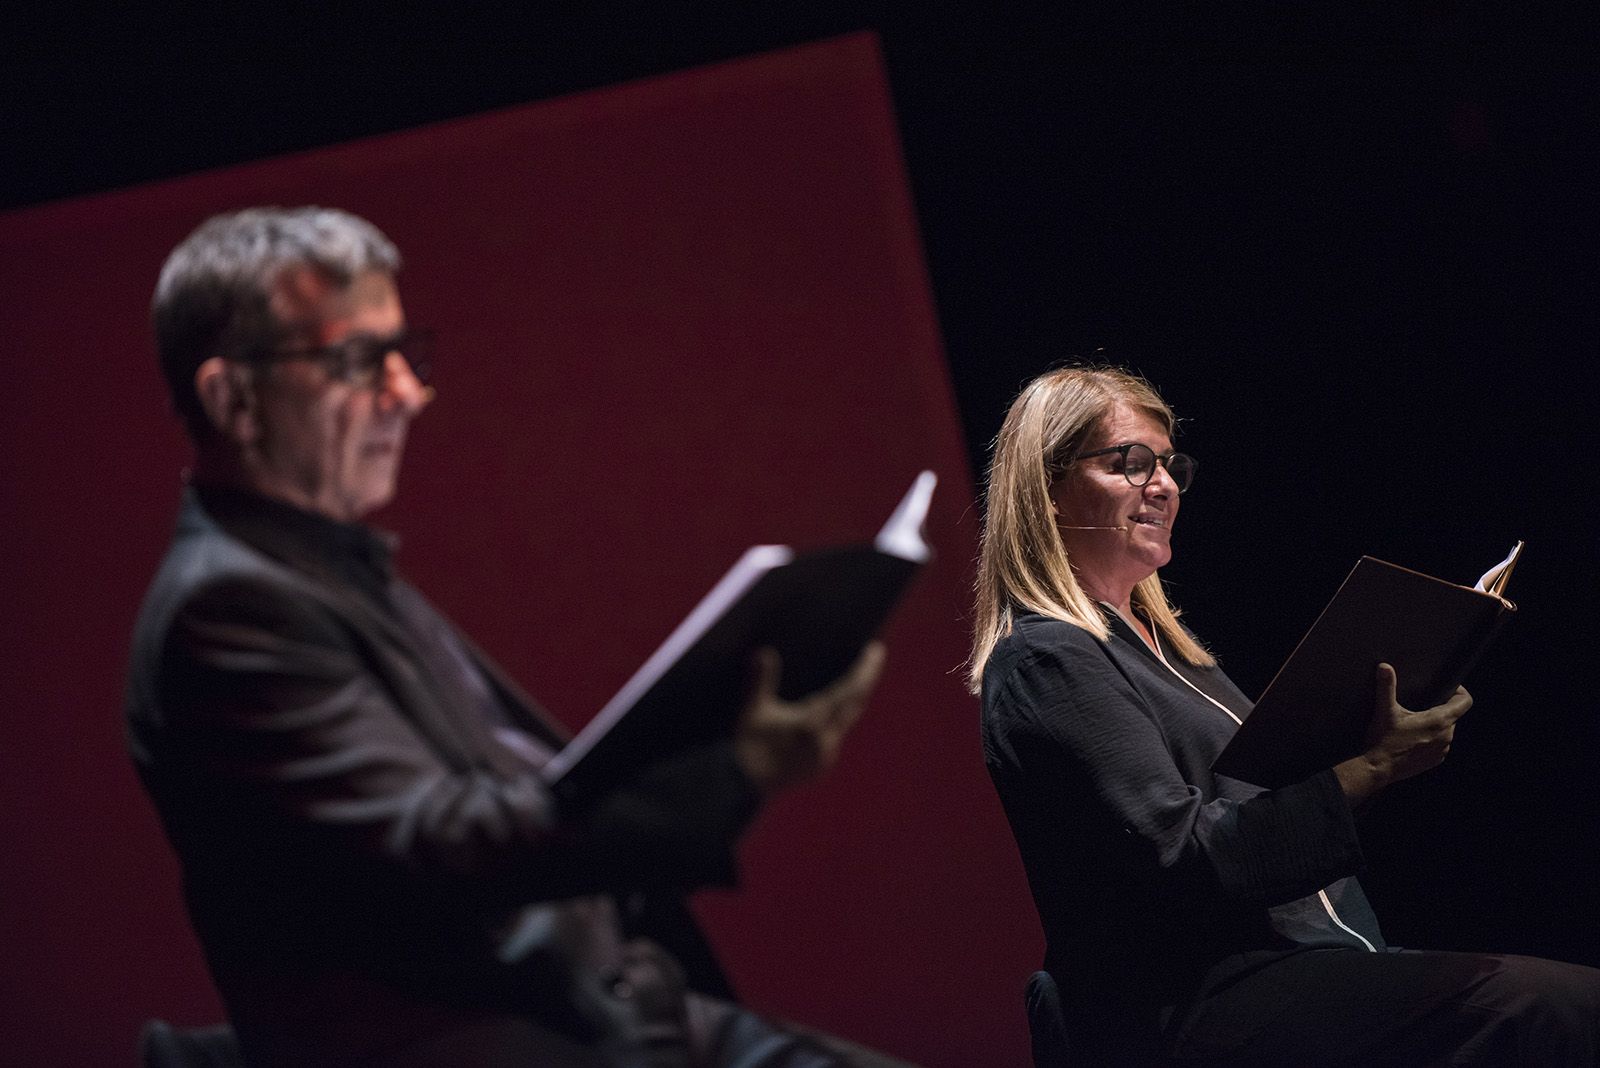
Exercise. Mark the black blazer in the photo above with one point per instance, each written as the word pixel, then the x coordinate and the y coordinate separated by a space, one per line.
pixel 360 853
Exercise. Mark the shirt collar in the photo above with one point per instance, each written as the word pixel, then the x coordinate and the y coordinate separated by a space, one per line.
pixel 352 551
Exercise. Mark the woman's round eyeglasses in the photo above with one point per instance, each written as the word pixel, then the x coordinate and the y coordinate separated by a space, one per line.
pixel 1139 464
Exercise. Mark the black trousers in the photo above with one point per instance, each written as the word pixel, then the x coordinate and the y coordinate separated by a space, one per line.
pixel 1346 1007
pixel 723 1035
pixel 708 1033
pixel 674 1027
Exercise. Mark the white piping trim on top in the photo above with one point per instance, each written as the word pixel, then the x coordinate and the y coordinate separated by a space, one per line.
pixel 1322 895
pixel 1156 648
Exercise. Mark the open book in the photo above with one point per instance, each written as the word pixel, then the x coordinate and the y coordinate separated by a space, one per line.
pixel 817 609
pixel 1316 711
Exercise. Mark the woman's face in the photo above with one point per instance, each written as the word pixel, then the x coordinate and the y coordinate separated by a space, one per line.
pixel 1135 522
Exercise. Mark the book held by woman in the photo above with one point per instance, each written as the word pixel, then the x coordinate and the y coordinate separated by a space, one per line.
pixel 1316 711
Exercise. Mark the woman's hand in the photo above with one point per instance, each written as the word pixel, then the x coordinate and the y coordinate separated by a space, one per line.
pixel 1400 743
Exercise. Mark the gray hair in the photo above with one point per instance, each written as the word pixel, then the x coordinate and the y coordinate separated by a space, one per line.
pixel 214 294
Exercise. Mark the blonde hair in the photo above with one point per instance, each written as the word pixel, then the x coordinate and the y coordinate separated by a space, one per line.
pixel 1022 561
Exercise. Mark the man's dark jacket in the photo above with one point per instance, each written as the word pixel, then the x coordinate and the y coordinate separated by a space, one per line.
pixel 363 851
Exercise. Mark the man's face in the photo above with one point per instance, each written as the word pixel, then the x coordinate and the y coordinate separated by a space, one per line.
pixel 322 443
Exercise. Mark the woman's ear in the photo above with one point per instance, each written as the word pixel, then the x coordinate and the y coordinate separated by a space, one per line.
pixel 228 398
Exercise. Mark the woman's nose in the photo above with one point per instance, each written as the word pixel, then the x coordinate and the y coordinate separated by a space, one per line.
pixel 1161 483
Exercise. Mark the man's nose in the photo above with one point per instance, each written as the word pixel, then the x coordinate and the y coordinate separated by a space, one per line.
pixel 401 387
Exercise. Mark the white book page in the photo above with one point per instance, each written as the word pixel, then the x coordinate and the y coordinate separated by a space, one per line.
pixel 902 535
pixel 751 566
pixel 1494 572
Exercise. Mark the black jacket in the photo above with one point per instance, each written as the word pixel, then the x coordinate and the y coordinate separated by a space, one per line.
pixel 360 852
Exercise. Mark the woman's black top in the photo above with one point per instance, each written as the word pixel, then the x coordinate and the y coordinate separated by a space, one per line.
pixel 1154 878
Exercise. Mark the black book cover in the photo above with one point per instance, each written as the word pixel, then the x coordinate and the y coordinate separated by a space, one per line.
pixel 817 609
pixel 1316 712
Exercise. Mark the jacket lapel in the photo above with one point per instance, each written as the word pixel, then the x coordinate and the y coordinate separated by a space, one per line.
pixel 391 650
pixel 528 713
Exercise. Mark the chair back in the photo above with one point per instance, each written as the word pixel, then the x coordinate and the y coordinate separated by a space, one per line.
pixel 1047 1023
pixel 163 1046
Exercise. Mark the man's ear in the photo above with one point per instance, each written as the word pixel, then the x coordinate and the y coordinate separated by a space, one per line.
pixel 228 397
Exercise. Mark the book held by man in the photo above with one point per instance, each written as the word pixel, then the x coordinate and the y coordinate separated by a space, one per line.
pixel 817 609
pixel 1317 710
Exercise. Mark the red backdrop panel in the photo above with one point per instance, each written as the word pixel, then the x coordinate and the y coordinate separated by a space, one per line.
pixel 676 318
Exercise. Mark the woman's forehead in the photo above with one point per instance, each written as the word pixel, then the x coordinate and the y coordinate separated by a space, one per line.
pixel 1125 423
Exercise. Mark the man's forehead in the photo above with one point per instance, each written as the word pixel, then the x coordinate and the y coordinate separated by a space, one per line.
pixel 305 298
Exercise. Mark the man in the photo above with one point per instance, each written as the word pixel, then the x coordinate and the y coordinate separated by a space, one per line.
pixel 374 867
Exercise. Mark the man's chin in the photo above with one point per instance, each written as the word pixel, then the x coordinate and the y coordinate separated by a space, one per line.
pixel 372 502
pixel 362 501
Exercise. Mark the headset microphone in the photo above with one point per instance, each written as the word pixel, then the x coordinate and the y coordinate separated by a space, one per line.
pixel 1065 527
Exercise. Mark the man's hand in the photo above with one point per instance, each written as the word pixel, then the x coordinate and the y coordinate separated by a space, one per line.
pixel 781 743
pixel 1400 743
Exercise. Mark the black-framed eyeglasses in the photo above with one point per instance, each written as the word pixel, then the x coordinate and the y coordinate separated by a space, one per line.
pixel 359 358
pixel 1139 464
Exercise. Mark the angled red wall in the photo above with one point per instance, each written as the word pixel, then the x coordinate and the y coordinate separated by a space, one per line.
pixel 676 318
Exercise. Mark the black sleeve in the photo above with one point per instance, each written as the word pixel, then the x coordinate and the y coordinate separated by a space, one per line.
pixel 1066 709
pixel 268 703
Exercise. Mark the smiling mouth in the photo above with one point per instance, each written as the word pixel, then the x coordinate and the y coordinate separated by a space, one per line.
pixel 1149 521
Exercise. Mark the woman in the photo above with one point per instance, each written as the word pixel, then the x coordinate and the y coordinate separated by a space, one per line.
pixel 1190 916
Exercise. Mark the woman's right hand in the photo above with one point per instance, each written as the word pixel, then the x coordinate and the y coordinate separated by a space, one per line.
pixel 1400 743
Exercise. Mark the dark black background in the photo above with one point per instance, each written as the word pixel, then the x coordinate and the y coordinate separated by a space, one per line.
pixel 1352 245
